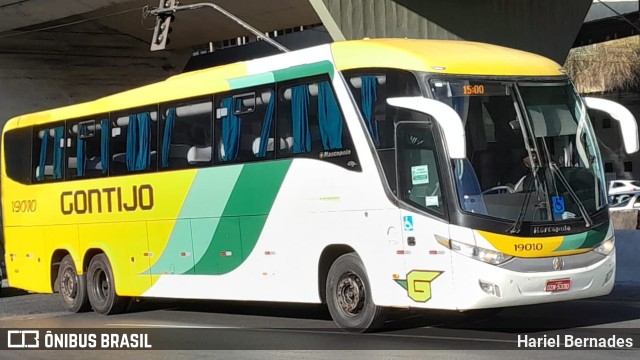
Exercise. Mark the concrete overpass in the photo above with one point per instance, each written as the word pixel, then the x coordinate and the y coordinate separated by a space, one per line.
pixel 57 52
pixel 608 20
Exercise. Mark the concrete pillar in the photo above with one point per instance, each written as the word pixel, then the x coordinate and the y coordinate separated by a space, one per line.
pixel 546 27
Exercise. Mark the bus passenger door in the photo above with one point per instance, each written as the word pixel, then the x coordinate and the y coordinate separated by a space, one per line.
pixel 427 262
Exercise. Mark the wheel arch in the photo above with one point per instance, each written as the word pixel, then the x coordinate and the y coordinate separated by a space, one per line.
pixel 327 257
pixel 88 255
pixel 56 259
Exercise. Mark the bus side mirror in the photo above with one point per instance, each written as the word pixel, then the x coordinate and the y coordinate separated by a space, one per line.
pixel 444 115
pixel 628 124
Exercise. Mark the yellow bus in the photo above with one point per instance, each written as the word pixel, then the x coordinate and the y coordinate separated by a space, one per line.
pixel 366 175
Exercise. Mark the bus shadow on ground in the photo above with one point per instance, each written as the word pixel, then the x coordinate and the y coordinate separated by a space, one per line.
pixel 248 308
pixel 11 292
pixel 621 305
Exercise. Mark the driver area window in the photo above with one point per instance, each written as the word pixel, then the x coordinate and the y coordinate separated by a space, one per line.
pixel 418 169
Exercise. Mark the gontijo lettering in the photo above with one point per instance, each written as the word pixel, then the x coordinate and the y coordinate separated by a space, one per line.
pixel 106 200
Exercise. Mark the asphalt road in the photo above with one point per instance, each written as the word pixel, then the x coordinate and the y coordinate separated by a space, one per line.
pixel 217 329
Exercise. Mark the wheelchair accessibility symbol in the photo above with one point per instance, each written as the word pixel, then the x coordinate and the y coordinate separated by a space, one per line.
pixel 408 223
pixel 558 204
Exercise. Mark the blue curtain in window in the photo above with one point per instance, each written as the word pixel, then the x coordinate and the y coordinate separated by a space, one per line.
pixel 329 117
pixel 368 92
pixel 43 155
pixel 143 155
pixel 266 126
pixel 300 113
pixel 104 145
pixel 57 152
pixel 230 130
pixel 132 142
pixel 81 149
pixel 169 123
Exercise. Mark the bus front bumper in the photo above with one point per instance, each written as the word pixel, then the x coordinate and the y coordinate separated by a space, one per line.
pixel 480 285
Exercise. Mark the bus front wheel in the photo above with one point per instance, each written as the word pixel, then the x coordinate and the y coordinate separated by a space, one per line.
pixel 101 287
pixel 348 295
pixel 73 287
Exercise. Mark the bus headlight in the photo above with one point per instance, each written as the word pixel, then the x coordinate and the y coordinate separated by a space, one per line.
pixel 606 247
pixel 478 253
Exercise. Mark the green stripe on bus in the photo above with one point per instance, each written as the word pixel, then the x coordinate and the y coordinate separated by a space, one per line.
pixel 252 80
pixel 571 242
pixel 584 240
pixel 227 207
pixel 244 217
pixel 207 198
pixel 210 192
pixel 256 188
pixel 295 72
pixel 224 252
pixel 595 236
pixel 171 261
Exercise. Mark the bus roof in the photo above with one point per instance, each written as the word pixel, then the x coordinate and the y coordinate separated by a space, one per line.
pixel 442 56
pixel 435 56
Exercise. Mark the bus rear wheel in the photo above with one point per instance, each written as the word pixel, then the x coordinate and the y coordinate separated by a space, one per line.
pixel 101 287
pixel 348 295
pixel 73 287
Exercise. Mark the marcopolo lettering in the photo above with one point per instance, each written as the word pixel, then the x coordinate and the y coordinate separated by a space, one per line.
pixel 106 200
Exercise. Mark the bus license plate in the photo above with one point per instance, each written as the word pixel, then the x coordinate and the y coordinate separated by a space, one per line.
pixel 558 285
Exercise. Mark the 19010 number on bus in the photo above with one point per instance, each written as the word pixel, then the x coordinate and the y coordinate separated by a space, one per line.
pixel 528 247
pixel 24 206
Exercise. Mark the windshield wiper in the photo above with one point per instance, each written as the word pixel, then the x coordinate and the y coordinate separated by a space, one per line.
pixel 585 215
pixel 555 170
pixel 516 227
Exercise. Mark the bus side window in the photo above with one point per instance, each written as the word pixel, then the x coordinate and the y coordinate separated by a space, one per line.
pixel 18 150
pixel 244 126
pixel 133 141
pixel 311 124
pixel 370 89
pixel 87 148
pixel 48 152
pixel 185 139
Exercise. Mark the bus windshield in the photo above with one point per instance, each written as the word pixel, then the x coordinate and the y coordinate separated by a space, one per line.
pixel 531 151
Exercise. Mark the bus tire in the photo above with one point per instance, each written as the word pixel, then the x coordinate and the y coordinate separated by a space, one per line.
pixel 72 287
pixel 101 287
pixel 348 295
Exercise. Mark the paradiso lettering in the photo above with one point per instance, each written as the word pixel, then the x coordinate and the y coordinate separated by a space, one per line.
pixel 106 200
